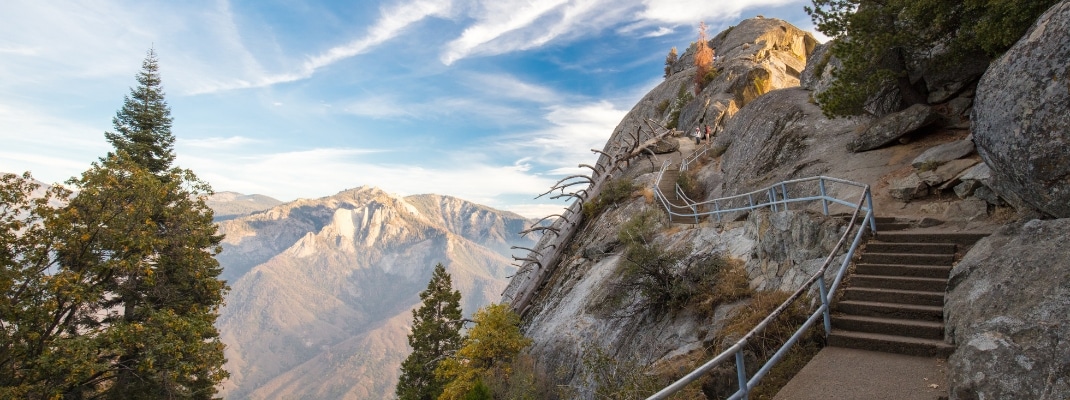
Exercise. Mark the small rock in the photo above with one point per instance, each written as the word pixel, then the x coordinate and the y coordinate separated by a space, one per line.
pixel 943 153
pixel 966 188
pixel 980 172
pixel 960 106
pixel 909 188
pixel 927 222
pixel 988 196
pixel 946 175
pixel 966 210
pixel 934 208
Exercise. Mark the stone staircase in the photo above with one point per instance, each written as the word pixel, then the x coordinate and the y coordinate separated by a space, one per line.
pixel 894 299
pixel 668 188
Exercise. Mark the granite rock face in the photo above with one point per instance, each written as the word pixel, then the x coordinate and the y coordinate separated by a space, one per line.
pixel 1006 311
pixel 891 127
pixel 1020 118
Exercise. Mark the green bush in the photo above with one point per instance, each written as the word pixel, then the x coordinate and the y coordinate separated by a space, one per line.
pixel 662 107
pixel 692 187
pixel 613 192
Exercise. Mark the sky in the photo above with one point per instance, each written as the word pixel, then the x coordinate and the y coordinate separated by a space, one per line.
pixel 491 101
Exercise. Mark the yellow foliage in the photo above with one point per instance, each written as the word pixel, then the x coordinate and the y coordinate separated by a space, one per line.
pixel 492 343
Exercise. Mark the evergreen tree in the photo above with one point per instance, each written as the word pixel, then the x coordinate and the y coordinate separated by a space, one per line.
pixel 435 335
pixel 143 124
pixel 670 60
pixel 143 247
pixel 880 41
pixel 115 294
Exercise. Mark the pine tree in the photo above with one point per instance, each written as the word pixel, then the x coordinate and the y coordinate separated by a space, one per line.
pixel 115 293
pixel 435 336
pixel 670 61
pixel 143 124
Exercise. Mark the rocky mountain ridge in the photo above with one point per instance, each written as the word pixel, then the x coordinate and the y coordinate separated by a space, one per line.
pixel 321 288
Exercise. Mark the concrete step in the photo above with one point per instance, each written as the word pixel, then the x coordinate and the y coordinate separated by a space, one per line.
pixel 917 271
pixel 890 343
pixel 963 238
pixel 882 295
pixel 899 282
pixel 916 248
pixel 891 310
pixel 890 326
pixel 870 257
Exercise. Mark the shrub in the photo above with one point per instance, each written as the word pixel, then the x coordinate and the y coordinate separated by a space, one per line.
pixel 662 107
pixel 618 379
pixel 668 280
pixel 692 187
pixel 613 192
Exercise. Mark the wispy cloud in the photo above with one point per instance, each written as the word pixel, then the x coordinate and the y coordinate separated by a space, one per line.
pixel 692 11
pixel 572 131
pixel 392 21
pixel 661 31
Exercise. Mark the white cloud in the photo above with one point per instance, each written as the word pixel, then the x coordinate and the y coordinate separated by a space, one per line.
pixel 52 148
pixel 692 11
pixel 508 86
pixel 572 131
pixel 661 31
pixel 392 21
pixel 504 26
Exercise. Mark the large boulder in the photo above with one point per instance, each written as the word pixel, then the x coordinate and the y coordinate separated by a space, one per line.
pixel 1007 306
pixel 891 127
pixel 1020 118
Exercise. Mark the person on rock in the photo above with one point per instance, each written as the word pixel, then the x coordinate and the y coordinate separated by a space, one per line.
pixel 697 135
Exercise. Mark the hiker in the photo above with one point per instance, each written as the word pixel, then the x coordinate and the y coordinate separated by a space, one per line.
pixel 697 135
pixel 707 133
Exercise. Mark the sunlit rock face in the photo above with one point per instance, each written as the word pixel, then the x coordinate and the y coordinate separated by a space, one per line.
pixel 321 289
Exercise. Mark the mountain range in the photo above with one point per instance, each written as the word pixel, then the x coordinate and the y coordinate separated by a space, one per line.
pixel 322 290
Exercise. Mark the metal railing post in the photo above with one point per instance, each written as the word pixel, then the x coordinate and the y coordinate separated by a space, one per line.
pixel 872 221
pixel 824 195
pixel 750 200
pixel 772 199
pixel 741 373
pixel 825 305
pixel 717 208
pixel 784 192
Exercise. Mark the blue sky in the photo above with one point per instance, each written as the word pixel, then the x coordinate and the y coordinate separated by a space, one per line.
pixel 488 100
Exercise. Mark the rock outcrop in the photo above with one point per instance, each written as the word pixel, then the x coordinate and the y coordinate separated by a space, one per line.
pixel 1020 119
pixel 1006 311
pixel 752 58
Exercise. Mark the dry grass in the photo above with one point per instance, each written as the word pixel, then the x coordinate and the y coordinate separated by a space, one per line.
pixel 764 345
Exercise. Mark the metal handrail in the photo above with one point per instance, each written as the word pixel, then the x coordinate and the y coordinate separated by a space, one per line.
pixel 825 294
pixel 695 155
